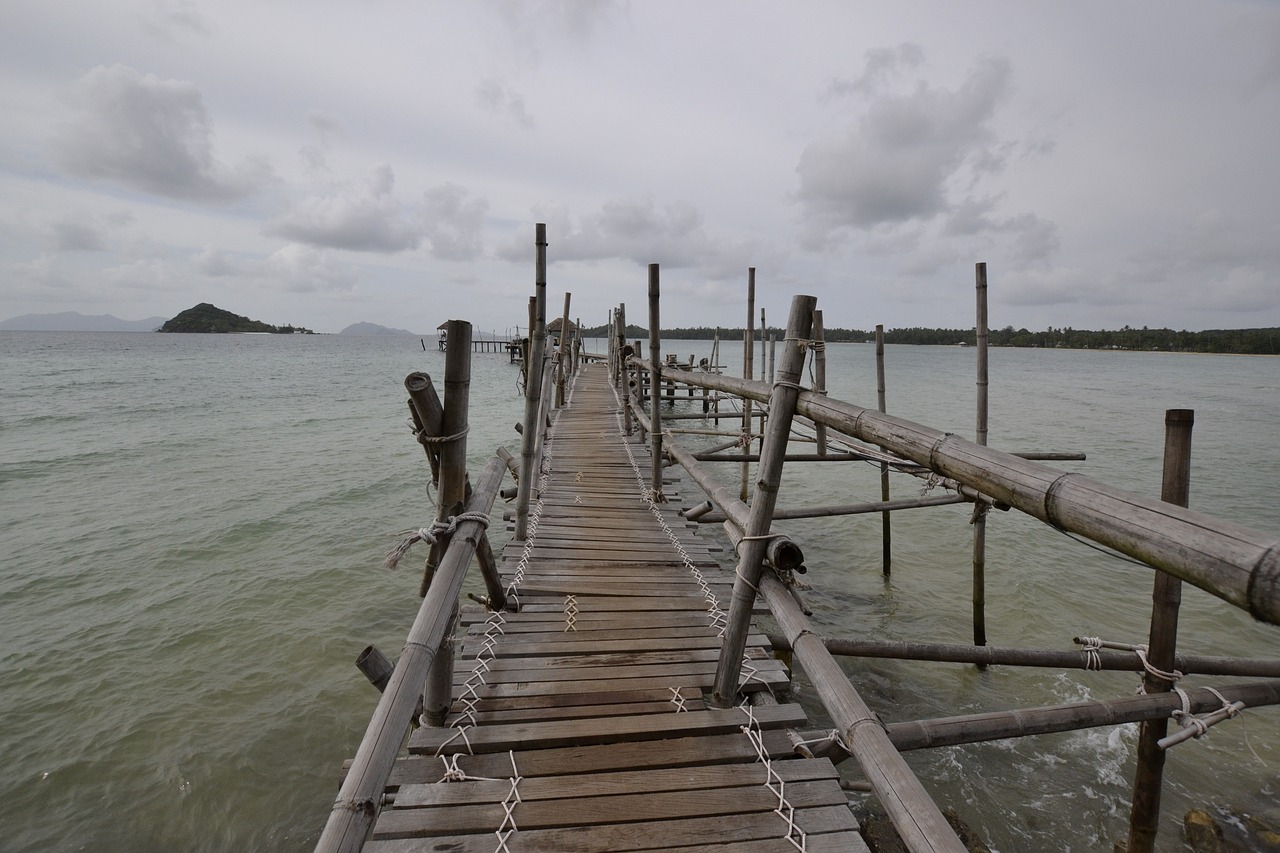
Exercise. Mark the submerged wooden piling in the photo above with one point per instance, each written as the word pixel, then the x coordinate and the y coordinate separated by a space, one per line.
pixel 979 510
pixel 781 408
pixel 533 387
pixel 886 522
pixel 1166 598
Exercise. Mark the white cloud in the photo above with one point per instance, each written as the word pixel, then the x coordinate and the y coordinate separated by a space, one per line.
pixel 898 160
pixel 304 269
pixel 454 223
pixel 150 135
pixel 499 98
pixel 364 217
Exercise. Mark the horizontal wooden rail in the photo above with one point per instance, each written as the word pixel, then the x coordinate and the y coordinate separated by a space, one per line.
pixel 1238 564
pixel 360 797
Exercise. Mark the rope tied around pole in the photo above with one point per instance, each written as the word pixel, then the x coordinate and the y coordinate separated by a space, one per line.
pixel 1193 727
pixel 431 535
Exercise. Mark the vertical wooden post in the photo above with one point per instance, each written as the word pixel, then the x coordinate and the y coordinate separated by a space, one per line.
pixel 980 510
pixel 438 691
pixel 819 377
pixel 748 352
pixel 533 386
pixel 564 352
pixel 577 348
pixel 622 378
pixel 655 399
pixel 886 522
pixel 782 403
pixel 1166 598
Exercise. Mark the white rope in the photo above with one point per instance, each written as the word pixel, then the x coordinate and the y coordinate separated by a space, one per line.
pixel 775 783
pixel 715 614
pixel 570 613
pixel 431 535
pixel 677 699
pixel 509 807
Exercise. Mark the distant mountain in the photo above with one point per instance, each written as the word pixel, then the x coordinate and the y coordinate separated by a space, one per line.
pixel 74 321
pixel 373 329
pixel 206 318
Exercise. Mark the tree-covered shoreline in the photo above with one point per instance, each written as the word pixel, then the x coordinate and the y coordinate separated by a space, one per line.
pixel 1265 341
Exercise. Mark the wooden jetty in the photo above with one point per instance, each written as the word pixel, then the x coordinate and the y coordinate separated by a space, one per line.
pixel 617 693
pixel 580 719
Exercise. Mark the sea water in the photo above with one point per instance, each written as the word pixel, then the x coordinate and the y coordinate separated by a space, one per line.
pixel 193 527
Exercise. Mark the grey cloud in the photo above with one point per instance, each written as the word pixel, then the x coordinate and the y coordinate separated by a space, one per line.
pixel 453 223
pixel 214 263
pixel 166 19
pixel 86 233
pixel 636 230
pixel 882 64
pixel 896 163
pixel 303 269
pixel 497 97
pixel 149 135
pixel 71 236
pixel 365 217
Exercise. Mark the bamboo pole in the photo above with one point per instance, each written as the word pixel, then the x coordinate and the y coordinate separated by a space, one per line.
pixel 980 510
pixel 819 376
pixel 564 352
pixel 533 386
pixel 622 379
pixel 997 725
pixel 748 350
pixel 913 813
pixel 886 524
pixel 1238 564
pixel 850 509
pixel 359 799
pixel 1116 661
pixel 768 476
pixel 438 693
pixel 1166 598
pixel 655 383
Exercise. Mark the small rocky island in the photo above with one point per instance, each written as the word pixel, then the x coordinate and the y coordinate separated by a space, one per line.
pixel 206 318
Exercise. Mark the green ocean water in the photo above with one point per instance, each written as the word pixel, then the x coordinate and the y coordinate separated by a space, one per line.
pixel 190 560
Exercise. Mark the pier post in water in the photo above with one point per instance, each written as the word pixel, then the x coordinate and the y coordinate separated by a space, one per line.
pixel 438 691
pixel 782 405
pixel 748 352
pixel 1166 599
pixel 564 352
pixel 533 387
pixel 655 385
pixel 980 509
pixel 886 523
pixel 819 378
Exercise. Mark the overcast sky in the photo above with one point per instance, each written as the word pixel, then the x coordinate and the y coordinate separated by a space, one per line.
pixel 322 163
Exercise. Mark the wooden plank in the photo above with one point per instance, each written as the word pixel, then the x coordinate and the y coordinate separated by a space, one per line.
pixel 633 728
pixel 550 674
pixel 615 809
pixel 572 760
pixel 654 835
pixel 605 784
pixel 576 712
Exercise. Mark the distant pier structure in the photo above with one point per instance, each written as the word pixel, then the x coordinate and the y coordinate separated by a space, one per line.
pixel 490 344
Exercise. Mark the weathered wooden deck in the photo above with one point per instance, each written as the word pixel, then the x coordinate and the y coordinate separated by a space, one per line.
pixel 579 723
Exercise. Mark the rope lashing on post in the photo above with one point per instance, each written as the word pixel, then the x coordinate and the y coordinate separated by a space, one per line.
pixel 1194 727
pixel 431 535
pixel 794 834
pixel 715 614
pixel 1092 660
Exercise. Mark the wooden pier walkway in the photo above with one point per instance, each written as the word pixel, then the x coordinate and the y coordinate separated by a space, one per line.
pixel 579 723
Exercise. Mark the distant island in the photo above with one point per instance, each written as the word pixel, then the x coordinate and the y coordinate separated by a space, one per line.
pixel 373 329
pixel 74 321
pixel 209 319
pixel 1265 341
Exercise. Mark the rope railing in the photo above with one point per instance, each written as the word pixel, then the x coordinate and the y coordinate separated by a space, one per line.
pixel 360 798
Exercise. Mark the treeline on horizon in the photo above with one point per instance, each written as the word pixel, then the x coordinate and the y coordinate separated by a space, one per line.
pixel 1226 341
